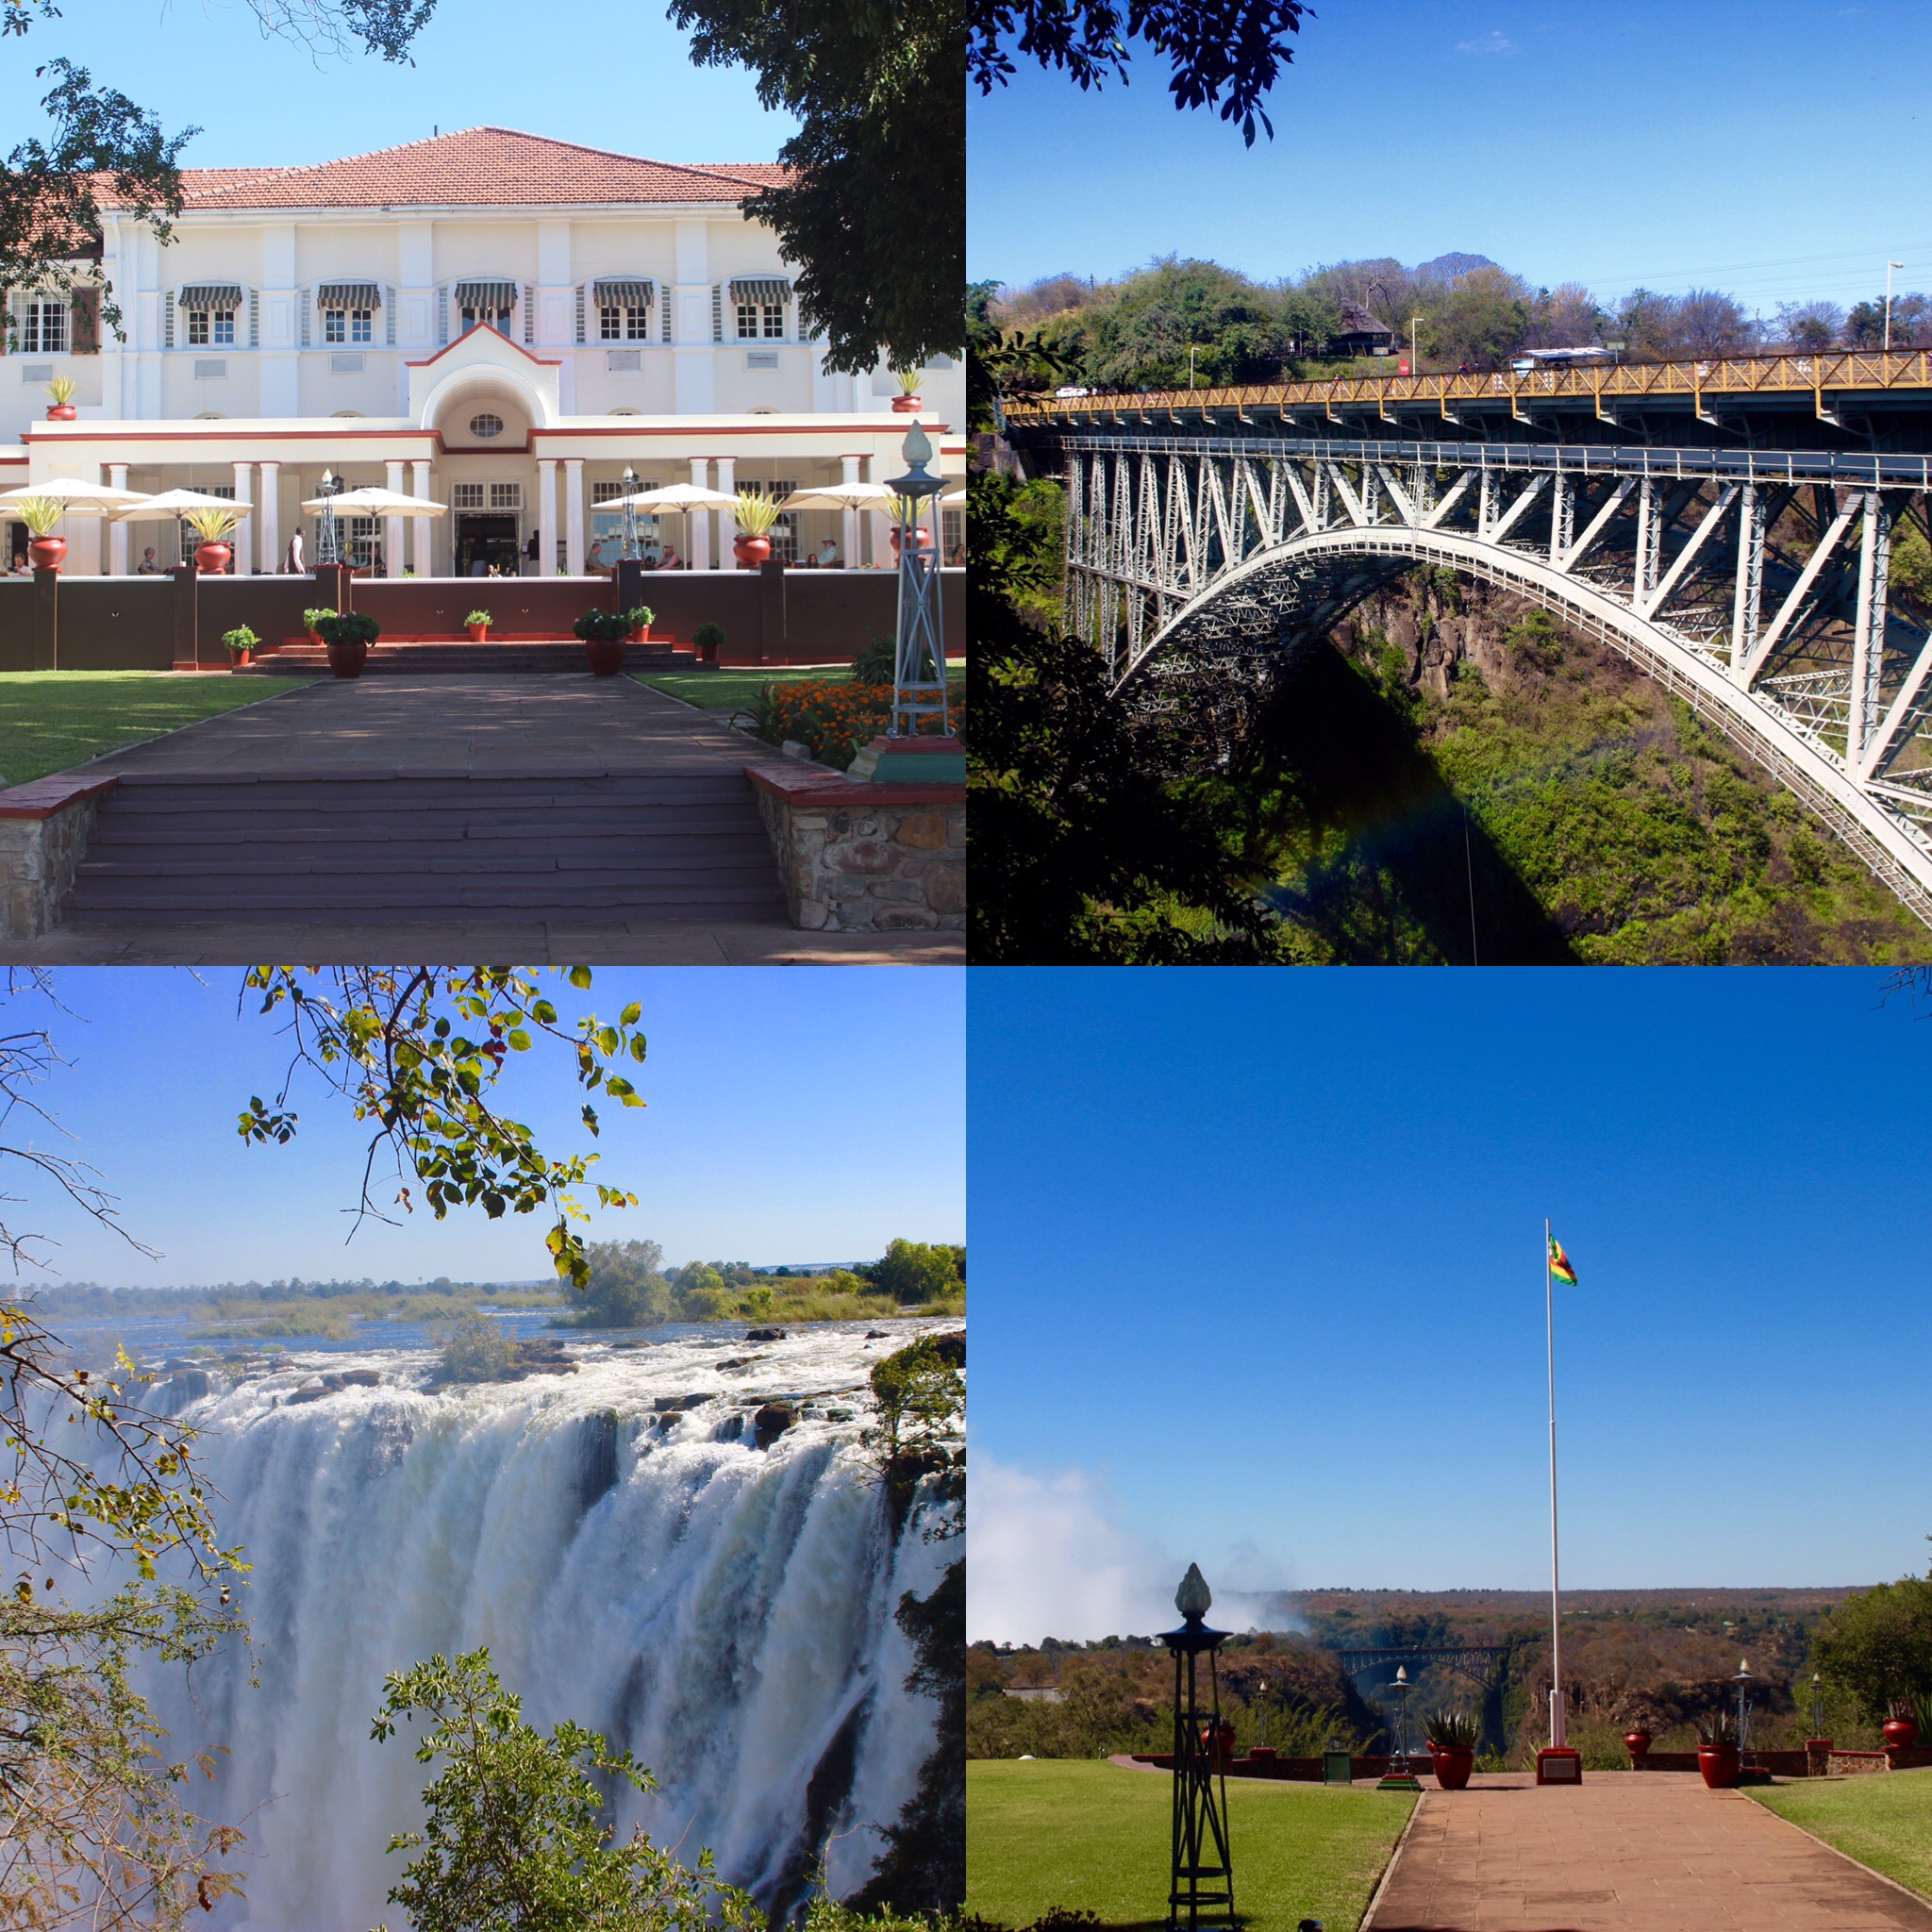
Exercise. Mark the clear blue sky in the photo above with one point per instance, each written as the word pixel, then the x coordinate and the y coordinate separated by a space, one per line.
pixel 605 74
pixel 1257 1278
pixel 778 1127
pixel 1767 147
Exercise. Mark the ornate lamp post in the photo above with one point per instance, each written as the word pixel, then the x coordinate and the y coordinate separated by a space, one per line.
pixel 630 513
pixel 1398 1777
pixel 1202 1872
pixel 1744 1680
pixel 1817 1705
pixel 329 543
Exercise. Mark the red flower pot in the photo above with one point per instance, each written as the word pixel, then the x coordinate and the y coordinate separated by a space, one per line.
pixel 241 657
pixel 347 659
pixel 1719 1765
pixel 1453 1764
pixel 211 559
pixel 641 634
pixel 479 633
pixel 1901 1733
pixel 752 550
pixel 605 655
pixel 61 412
pixel 46 552
pixel 906 406
pixel 1637 1743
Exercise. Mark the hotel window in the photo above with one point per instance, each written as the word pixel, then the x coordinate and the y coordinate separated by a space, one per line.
pixel 760 307
pixel 506 496
pixel 44 328
pixel 210 308
pixel 485 305
pixel 357 536
pixel 466 496
pixel 624 311
pixel 348 310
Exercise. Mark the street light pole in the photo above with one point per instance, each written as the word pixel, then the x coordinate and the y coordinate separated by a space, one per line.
pixel 1888 267
pixel 1415 366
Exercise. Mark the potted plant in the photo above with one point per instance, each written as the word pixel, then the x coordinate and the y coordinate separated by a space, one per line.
pixel 1637 1741
pixel 213 526
pixel 640 618
pixel 1717 1750
pixel 1901 1725
pixel 756 513
pixel 311 618
pixel 710 639
pixel 479 623
pixel 348 635
pixel 603 633
pixel 61 408
pixel 44 550
pixel 907 402
pixel 1451 1736
pixel 906 515
pixel 239 643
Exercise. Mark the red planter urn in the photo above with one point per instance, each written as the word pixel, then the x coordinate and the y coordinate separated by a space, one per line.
pixel 605 655
pixel 479 633
pixel 1717 1763
pixel 46 552
pixel 751 551
pixel 1637 1743
pixel 1453 1764
pixel 61 412
pixel 211 559
pixel 906 406
pixel 347 659
pixel 640 633
pixel 1901 1733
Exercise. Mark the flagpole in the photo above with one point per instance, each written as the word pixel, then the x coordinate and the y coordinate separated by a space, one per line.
pixel 1557 1733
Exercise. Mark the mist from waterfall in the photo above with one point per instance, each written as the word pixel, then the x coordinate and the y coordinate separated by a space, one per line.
pixel 723 1610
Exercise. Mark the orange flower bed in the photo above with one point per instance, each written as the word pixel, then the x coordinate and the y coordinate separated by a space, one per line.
pixel 834 721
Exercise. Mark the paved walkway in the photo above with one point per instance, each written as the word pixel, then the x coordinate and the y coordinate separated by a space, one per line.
pixel 482 724
pixel 1629 1852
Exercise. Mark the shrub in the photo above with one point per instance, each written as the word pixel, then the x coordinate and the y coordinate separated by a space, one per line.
pixel 1877 1644
pixel 625 1288
pixel 602 626
pixel 238 640
pixel 311 618
pixel 478 1350
pixel 710 637
pixel 639 616
pixel 876 663
pixel 347 627
pixel 832 721
pixel 479 617
pixel 914 1271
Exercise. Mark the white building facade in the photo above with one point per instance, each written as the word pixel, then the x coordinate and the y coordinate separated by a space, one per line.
pixel 500 322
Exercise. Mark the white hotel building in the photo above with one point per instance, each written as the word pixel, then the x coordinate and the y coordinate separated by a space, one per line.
pixel 498 320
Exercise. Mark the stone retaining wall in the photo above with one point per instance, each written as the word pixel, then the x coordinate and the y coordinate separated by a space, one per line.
pixel 43 834
pixel 865 858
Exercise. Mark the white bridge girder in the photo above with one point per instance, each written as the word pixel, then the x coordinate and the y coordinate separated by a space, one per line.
pixel 1670 556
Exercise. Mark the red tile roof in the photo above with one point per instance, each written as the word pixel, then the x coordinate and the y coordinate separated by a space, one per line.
pixel 478 167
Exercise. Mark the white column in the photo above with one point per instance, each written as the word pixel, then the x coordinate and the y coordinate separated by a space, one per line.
pixel 117 533
pixel 421 560
pixel 848 519
pixel 269 516
pixel 881 522
pixel 394 478
pixel 547 516
pixel 700 557
pixel 574 506
pixel 244 531
pixel 727 524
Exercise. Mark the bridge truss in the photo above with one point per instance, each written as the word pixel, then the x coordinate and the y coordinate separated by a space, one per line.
pixel 1753 584
pixel 1481 1663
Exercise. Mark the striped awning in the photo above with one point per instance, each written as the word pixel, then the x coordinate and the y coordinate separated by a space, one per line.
pixel 348 295
pixel 210 298
pixel 485 295
pixel 761 289
pixel 622 294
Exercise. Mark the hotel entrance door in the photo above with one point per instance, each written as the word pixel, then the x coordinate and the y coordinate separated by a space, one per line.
pixel 488 540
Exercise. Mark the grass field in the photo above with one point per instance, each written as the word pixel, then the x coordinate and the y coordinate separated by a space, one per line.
pixel 50 720
pixel 1883 1822
pixel 1092 1836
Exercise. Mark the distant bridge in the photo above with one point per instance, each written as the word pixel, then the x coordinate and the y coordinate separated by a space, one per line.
pixel 1204 535
pixel 1481 1663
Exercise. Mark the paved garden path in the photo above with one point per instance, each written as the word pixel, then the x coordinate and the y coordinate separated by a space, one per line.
pixel 555 818
pixel 1629 1852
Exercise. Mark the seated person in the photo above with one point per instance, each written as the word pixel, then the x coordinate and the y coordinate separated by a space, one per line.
pixel 828 557
pixel 670 560
pixel 147 567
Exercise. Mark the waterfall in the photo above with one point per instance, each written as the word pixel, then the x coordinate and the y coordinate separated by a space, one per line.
pixel 631 1559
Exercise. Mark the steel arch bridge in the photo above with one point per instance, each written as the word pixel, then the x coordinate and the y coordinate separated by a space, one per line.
pixel 1209 551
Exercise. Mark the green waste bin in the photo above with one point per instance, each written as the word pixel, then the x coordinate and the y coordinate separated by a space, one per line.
pixel 1335 1767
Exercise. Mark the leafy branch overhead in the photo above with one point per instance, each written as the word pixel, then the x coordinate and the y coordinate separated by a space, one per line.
pixel 1223 54
pixel 418 1053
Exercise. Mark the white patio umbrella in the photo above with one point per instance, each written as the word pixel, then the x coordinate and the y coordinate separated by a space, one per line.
pixel 839 496
pixel 177 502
pixel 372 501
pixel 952 499
pixel 75 495
pixel 682 496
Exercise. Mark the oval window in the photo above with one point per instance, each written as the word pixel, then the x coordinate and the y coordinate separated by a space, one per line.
pixel 486 424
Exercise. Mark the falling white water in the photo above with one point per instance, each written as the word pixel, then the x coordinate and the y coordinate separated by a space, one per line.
pixel 719 1609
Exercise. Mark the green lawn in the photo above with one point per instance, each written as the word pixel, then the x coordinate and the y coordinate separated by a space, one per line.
pixel 50 720
pixel 1092 1836
pixel 1883 1820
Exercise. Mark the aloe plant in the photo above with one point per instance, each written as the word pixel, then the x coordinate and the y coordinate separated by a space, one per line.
pixel 908 381
pixel 1718 1730
pixel 40 514
pixel 1450 1730
pixel 211 525
pixel 61 389
pixel 757 512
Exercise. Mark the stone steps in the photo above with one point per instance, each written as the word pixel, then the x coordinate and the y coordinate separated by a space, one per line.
pixel 390 656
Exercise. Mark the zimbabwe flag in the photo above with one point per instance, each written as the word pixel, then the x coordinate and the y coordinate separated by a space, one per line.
pixel 1560 1264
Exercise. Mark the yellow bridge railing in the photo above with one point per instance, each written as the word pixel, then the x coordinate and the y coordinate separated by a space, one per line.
pixel 1832 374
